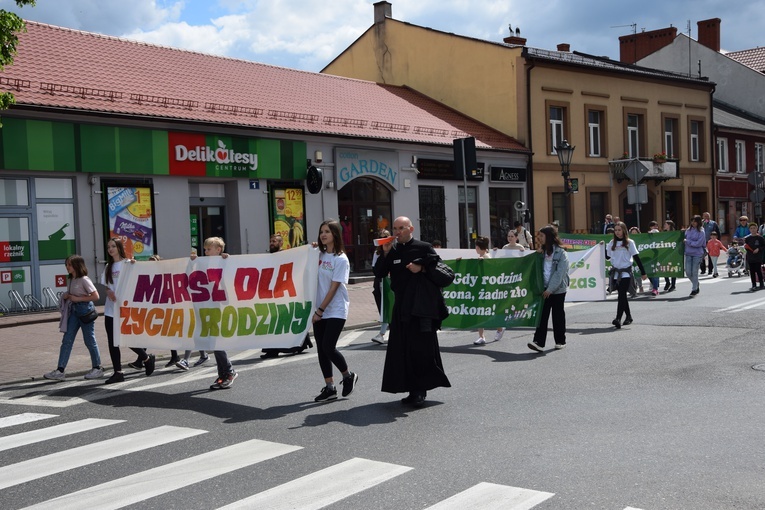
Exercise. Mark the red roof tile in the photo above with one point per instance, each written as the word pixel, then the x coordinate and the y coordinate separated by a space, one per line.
pixel 64 68
pixel 754 58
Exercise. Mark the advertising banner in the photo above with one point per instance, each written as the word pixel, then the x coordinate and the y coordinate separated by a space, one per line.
pixel 288 215
pixel 131 219
pixel 211 303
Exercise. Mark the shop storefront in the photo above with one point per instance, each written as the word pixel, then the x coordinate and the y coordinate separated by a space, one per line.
pixel 66 188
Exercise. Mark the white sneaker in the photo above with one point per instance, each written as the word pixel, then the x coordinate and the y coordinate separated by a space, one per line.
pixel 498 335
pixel 379 338
pixel 95 373
pixel 480 341
pixel 55 375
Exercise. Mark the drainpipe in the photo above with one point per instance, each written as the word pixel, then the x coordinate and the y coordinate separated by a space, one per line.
pixel 530 163
pixel 713 152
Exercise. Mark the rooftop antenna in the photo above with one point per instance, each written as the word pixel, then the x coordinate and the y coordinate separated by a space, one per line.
pixel 688 28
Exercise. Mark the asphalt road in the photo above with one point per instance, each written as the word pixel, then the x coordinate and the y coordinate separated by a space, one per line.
pixel 666 413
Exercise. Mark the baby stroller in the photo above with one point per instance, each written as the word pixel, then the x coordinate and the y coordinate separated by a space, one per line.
pixel 735 263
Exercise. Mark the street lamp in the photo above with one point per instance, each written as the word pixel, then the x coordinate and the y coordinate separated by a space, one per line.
pixel 565 153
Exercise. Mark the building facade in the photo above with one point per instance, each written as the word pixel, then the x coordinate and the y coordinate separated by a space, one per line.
pixel 607 110
pixel 164 148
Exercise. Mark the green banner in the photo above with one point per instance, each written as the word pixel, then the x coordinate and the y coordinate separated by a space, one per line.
pixel 490 293
pixel 662 253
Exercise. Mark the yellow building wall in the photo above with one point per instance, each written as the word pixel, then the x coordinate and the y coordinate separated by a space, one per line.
pixel 578 89
pixel 474 77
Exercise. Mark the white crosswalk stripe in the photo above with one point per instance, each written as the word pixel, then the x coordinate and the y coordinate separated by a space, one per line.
pixel 58 462
pixel 490 496
pixel 141 486
pixel 65 429
pixel 18 419
pixel 322 488
pixel 313 491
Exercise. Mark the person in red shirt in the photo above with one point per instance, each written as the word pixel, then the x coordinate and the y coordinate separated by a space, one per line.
pixel 714 247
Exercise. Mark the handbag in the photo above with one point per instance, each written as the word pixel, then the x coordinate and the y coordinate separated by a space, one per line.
pixel 89 317
pixel 440 274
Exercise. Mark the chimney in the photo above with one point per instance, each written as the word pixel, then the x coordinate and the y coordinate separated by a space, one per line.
pixel 709 33
pixel 633 47
pixel 564 47
pixel 382 10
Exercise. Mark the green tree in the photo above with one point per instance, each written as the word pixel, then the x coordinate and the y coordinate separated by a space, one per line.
pixel 10 25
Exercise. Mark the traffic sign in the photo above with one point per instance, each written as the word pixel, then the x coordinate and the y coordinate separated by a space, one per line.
pixel 757 195
pixel 755 179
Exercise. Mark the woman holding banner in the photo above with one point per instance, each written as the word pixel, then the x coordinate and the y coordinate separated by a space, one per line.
pixel 555 275
pixel 695 243
pixel 332 310
pixel 377 287
pixel 621 251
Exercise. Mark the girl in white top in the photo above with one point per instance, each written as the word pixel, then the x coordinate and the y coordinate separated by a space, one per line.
pixel 512 241
pixel 332 309
pixel 482 249
pixel 115 258
pixel 621 251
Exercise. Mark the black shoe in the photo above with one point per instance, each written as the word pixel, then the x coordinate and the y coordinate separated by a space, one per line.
pixel 416 398
pixel 694 292
pixel 115 378
pixel 137 364
pixel 627 321
pixel 666 287
pixel 535 346
pixel 349 383
pixel 326 395
pixel 671 288
pixel 149 364
pixel 172 362
pixel 270 353
pixel 616 323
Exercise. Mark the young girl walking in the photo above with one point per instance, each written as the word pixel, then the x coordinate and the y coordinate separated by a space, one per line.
pixel 555 276
pixel 75 303
pixel 621 251
pixel 115 258
pixel 482 249
pixel 332 310
pixel 377 289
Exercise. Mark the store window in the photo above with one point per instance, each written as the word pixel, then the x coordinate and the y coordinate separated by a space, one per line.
pixel 364 205
pixel 433 214
pixel 502 213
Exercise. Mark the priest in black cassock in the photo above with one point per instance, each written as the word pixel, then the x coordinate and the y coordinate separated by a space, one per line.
pixel 412 360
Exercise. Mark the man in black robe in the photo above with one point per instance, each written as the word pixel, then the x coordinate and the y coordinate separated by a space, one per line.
pixel 412 360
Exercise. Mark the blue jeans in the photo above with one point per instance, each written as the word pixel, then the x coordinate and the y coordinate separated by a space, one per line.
pixel 692 270
pixel 88 333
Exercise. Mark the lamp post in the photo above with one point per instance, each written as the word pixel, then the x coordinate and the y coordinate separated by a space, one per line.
pixel 565 153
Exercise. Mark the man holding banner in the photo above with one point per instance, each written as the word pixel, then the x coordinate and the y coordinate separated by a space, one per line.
pixel 412 360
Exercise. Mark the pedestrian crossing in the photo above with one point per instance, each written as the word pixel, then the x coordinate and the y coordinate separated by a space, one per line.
pixel 316 490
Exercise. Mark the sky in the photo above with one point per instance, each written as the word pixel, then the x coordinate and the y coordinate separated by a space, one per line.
pixel 308 34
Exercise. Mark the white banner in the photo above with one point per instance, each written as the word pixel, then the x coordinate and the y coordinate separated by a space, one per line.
pixel 587 269
pixel 211 303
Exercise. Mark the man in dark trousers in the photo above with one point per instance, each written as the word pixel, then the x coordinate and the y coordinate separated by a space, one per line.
pixel 412 359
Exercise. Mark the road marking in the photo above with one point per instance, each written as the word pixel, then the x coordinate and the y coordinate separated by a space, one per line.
pixel 491 496
pixel 65 429
pixel 19 419
pixel 323 488
pixel 58 462
pixel 168 478
pixel 746 305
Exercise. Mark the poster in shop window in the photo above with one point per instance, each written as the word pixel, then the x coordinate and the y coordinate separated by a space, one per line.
pixel 289 220
pixel 131 219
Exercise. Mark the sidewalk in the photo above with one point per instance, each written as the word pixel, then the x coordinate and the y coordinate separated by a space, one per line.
pixel 31 341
